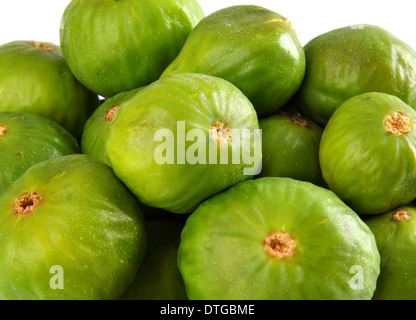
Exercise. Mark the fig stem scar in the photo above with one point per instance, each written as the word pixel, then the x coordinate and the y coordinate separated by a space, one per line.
pixel 42 46
pixel 111 113
pixel 26 203
pixel 300 122
pixel 221 132
pixel 397 123
pixel 280 245
pixel 289 23
pixel 3 130
pixel 401 215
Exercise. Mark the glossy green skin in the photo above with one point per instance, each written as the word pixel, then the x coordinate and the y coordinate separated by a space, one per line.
pixel 395 241
pixel 87 223
pixel 158 278
pixel 372 170
pixel 33 80
pixel 250 46
pixel 290 148
pixel 30 139
pixel 353 60
pixel 95 133
pixel 199 101
pixel 222 256
pixel 116 46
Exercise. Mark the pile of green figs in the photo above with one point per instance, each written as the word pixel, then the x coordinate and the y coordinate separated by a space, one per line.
pixel 161 154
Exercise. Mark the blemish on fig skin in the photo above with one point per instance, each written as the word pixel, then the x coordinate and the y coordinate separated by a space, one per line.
pixel 111 113
pixel 280 245
pixel 26 203
pixel 401 215
pixel 3 130
pixel 20 155
pixel 300 122
pixel 42 46
pixel 348 228
pixel 221 132
pixel 398 123
pixel 289 23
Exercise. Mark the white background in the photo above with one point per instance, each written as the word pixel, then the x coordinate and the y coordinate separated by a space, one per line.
pixel 40 19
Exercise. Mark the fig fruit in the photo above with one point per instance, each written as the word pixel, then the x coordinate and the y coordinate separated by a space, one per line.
pixel 27 139
pixel 291 148
pixel 158 277
pixel 69 230
pixel 254 48
pixel 35 78
pixel 183 139
pixel 350 61
pixel 394 232
pixel 116 46
pixel 367 153
pixel 277 239
pixel 95 133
